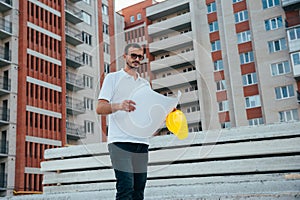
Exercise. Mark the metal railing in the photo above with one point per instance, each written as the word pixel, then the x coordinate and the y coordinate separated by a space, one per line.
pixel 4 146
pixel 5 84
pixel 3 180
pixel 73 55
pixel 75 130
pixel 75 11
pixel 74 79
pixel 5 54
pixel 5 25
pixel 4 114
pixel 73 32
pixel 75 104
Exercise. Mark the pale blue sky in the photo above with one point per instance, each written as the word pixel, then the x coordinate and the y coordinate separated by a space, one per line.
pixel 119 4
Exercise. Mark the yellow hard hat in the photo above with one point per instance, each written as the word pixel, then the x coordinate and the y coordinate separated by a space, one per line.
pixel 177 124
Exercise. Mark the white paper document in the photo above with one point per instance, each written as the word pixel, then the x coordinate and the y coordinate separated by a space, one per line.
pixel 151 111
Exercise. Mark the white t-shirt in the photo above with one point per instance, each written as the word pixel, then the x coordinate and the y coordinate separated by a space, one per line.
pixel 117 87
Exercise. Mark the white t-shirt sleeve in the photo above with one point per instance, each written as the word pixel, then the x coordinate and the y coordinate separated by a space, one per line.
pixel 106 91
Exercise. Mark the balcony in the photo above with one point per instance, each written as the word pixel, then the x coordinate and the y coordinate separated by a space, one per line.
pixel 290 4
pixel 74 106
pixel 5 29
pixel 166 8
pixel 171 44
pixel 173 24
pixel 75 131
pixel 73 36
pixel 3 148
pixel 74 82
pixel 5 5
pixel 189 97
pixel 74 59
pixel 293 40
pixel 5 57
pixel 296 71
pixel 73 14
pixel 171 61
pixel 5 86
pixel 3 181
pixel 172 80
pixel 4 116
pixel 193 117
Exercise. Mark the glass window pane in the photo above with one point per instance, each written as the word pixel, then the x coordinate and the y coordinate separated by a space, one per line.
pixel 280 68
pixel 278 93
pixel 284 92
pixel 295 114
pixel 288 116
pixel 291 90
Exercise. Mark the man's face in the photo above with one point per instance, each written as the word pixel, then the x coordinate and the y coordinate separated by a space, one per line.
pixel 134 57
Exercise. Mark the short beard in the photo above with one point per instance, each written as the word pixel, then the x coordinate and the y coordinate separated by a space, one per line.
pixel 130 66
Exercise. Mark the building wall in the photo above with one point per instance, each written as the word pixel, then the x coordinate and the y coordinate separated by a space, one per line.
pixel 225 99
pixel 9 88
pixel 54 73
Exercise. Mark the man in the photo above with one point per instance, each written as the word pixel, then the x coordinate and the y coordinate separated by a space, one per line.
pixel 128 153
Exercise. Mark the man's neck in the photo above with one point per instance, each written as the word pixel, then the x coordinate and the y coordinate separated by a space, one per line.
pixel 131 71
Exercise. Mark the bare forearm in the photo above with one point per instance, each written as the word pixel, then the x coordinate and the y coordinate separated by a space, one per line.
pixel 106 108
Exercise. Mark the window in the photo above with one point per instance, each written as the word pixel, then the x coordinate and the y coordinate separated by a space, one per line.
pixel 223 106
pixel 105 28
pixel 131 18
pixel 89 127
pixel 296 58
pixel 226 125
pixel 193 109
pixel 139 16
pixel 106 68
pixel 86 38
pixel 270 3
pixel 255 121
pixel 235 1
pixel 88 103
pixel 273 23
pixel 249 79
pixel 88 81
pixel 214 26
pixel 87 59
pixel 86 17
pixel 277 45
pixel 216 45
pixel 252 101
pixel 284 92
pixel 218 65
pixel 280 68
pixel 241 16
pixel 221 85
pixel 244 37
pixel 211 7
pixel 294 33
pixel 246 57
pixel 104 9
pixel 289 115
pixel 106 47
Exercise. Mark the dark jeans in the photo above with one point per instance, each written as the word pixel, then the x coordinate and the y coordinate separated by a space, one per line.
pixel 130 161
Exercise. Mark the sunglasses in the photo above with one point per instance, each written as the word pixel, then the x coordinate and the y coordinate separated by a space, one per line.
pixel 134 56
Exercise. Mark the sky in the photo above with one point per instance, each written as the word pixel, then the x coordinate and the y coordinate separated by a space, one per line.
pixel 119 4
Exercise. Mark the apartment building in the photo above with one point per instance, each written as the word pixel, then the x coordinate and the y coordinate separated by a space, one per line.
pixel 53 56
pixel 234 62
pixel 135 31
